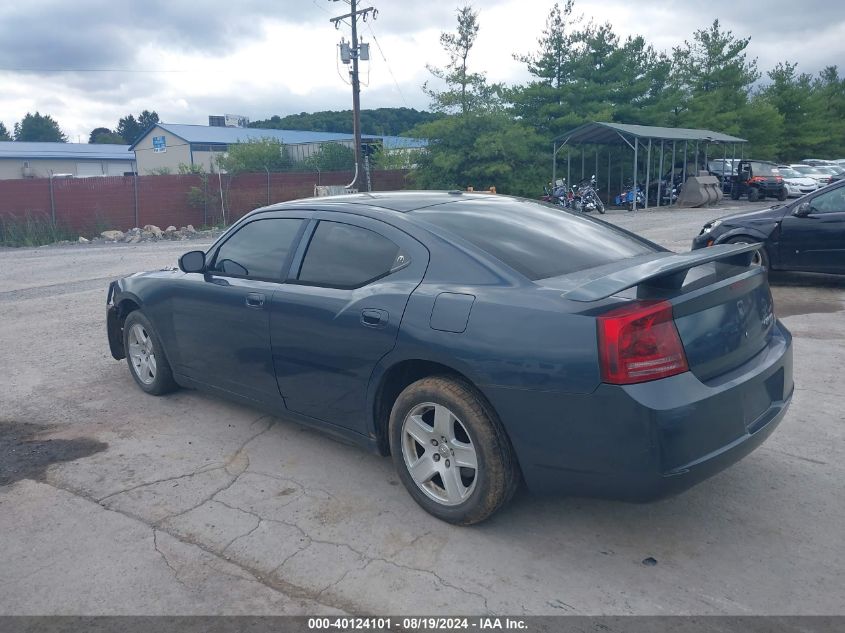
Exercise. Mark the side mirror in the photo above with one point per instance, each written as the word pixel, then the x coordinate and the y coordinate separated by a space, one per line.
pixel 192 262
pixel 803 210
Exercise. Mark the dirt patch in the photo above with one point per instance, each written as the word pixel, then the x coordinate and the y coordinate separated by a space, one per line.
pixel 24 456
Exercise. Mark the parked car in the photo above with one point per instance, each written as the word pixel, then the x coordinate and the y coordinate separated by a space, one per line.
pixel 796 183
pixel 757 179
pixel 835 172
pixel 805 235
pixel 478 339
pixel 815 162
pixel 819 176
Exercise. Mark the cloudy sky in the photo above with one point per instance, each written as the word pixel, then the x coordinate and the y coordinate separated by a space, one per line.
pixel 265 57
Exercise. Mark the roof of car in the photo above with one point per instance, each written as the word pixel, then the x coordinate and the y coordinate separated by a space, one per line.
pixel 400 201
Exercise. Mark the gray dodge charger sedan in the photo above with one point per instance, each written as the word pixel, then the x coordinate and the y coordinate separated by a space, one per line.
pixel 480 340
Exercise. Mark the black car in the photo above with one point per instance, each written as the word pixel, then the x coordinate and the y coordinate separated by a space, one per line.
pixel 757 179
pixel 805 235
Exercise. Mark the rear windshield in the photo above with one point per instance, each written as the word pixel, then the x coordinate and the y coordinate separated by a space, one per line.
pixel 534 239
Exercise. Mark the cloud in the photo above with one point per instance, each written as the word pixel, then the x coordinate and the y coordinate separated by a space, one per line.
pixel 264 57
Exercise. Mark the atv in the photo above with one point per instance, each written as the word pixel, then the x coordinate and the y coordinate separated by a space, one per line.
pixel 757 179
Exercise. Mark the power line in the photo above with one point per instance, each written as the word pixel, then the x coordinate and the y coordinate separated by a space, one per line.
pixel 389 69
pixel 90 70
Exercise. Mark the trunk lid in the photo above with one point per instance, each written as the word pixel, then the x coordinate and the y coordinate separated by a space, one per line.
pixel 721 305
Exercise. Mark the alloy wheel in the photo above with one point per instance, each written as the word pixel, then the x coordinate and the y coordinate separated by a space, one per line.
pixel 142 354
pixel 439 454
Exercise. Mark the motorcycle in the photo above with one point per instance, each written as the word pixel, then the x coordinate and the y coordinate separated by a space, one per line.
pixel 669 191
pixel 629 195
pixel 585 198
pixel 556 193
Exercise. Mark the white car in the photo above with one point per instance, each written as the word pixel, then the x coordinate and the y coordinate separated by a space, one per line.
pixel 797 184
pixel 820 177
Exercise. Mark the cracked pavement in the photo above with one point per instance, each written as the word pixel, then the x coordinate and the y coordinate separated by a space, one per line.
pixel 200 506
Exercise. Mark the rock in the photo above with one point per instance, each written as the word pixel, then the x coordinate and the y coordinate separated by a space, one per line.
pixel 83 240
pixel 190 228
pixel 170 229
pixel 115 236
pixel 152 228
pixel 148 235
pixel 134 239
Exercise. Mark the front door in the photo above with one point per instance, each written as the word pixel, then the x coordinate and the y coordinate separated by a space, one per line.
pixel 341 315
pixel 221 319
pixel 816 242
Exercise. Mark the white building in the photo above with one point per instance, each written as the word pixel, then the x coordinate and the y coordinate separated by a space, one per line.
pixel 19 159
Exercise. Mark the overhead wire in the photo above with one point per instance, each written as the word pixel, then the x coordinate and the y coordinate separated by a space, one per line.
pixel 387 63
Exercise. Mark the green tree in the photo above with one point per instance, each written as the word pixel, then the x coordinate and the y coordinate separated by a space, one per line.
pixel 792 96
pixel 762 124
pixel 146 120
pixel 829 89
pixel 129 129
pixel 332 157
pixel 714 79
pixel 38 127
pixel 382 121
pixel 104 136
pixel 4 133
pixel 542 102
pixel 256 156
pixel 465 91
pixel 481 150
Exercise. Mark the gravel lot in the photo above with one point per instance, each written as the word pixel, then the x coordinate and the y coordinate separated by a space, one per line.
pixel 114 502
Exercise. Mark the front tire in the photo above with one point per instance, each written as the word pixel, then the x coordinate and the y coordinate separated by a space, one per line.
pixel 145 355
pixel 450 451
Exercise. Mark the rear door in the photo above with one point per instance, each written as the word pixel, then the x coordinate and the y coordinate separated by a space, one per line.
pixel 340 313
pixel 816 242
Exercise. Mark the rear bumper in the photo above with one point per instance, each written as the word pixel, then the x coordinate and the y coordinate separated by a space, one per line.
pixel 647 441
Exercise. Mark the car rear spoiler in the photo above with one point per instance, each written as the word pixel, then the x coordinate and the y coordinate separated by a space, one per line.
pixel 666 272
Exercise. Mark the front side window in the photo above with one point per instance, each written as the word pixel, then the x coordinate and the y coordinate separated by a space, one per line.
pixel 346 256
pixel 258 250
pixel 829 201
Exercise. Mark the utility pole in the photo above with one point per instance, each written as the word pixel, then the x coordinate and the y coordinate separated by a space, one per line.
pixel 354 53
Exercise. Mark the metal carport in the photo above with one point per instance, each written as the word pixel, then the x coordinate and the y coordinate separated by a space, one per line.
pixel 635 136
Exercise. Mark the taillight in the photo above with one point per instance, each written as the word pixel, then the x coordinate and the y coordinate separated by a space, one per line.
pixel 758 179
pixel 639 342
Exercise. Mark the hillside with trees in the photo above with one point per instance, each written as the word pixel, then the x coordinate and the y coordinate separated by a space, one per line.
pixel 380 121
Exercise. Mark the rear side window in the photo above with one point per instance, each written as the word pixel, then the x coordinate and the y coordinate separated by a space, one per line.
pixel 258 250
pixel 346 256
pixel 534 239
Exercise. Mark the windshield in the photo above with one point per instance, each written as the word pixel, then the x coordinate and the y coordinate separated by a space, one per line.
pixel 788 172
pixel 763 169
pixel 535 239
pixel 806 169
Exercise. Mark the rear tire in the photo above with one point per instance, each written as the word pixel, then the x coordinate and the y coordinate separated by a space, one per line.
pixel 761 257
pixel 753 194
pixel 782 194
pixel 145 355
pixel 450 451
